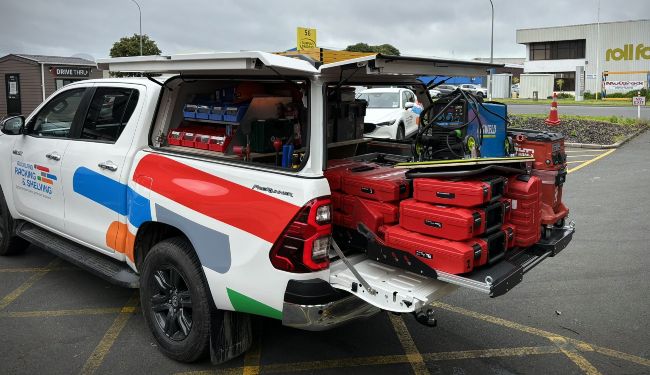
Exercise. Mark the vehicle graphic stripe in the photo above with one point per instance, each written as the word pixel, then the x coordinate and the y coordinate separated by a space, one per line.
pixel 256 213
pixel 120 239
pixel 41 168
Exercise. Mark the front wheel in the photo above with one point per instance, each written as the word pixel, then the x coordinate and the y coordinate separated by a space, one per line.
pixel 9 242
pixel 175 300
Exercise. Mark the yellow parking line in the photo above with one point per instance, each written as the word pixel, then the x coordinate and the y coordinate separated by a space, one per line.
pixel 38 269
pixel 575 156
pixel 253 355
pixel 97 357
pixel 410 349
pixel 52 313
pixel 9 298
pixel 580 345
pixel 591 161
pixel 390 360
pixel 577 161
pixel 574 356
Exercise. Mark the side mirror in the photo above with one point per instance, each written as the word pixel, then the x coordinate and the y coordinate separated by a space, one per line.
pixel 13 125
pixel 409 105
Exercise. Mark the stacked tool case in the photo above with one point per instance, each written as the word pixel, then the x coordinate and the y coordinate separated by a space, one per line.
pixel 453 225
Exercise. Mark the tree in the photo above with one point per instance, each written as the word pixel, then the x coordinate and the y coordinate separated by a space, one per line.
pixel 385 49
pixel 515 80
pixel 560 83
pixel 130 46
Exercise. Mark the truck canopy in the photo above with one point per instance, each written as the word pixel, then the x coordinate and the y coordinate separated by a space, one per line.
pixel 375 68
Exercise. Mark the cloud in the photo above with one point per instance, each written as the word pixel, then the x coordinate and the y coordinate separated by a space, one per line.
pixel 458 28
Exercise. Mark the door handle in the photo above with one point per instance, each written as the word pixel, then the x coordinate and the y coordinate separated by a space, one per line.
pixel 17 152
pixel 53 156
pixel 108 165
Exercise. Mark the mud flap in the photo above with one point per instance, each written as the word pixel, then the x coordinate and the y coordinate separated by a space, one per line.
pixel 231 335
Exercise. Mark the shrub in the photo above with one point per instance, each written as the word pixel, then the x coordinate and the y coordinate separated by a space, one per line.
pixel 564 95
pixel 613 119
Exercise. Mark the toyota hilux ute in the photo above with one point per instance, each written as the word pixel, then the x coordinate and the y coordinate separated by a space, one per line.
pixel 203 185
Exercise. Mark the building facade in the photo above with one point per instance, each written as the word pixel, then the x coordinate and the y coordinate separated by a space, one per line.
pixel 606 57
pixel 28 79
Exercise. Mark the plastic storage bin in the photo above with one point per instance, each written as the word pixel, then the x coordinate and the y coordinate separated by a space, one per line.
pixel 234 113
pixel 216 113
pixel 189 111
pixel 203 112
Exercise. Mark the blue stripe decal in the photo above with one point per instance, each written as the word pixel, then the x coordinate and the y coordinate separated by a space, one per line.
pixel 111 194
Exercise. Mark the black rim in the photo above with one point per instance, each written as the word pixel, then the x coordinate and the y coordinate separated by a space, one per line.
pixel 172 303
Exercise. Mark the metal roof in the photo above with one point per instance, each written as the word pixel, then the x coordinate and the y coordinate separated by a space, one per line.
pixel 42 59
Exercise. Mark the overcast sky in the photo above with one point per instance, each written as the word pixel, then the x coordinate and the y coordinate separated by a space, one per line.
pixel 458 28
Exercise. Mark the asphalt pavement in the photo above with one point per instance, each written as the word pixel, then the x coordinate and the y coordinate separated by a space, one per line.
pixel 587 310
pixel 586 110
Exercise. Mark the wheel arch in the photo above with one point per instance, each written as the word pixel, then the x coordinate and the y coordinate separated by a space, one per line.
pixel 150 233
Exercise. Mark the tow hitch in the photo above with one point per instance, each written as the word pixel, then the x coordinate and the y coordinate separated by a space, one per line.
pixel 425 317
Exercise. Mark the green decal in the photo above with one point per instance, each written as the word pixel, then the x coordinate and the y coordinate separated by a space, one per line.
pixel 246 304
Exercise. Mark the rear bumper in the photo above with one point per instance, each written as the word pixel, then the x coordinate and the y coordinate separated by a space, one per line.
pixel 326 316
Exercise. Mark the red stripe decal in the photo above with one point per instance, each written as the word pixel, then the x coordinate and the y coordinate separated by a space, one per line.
pixel 251 211
pixel 40 168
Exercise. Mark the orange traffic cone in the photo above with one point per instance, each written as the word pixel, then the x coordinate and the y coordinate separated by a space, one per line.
pixel 553 117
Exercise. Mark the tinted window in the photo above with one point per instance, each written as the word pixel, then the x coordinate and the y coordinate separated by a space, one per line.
pixel 55 119
pixel 381 99
pixel 108 113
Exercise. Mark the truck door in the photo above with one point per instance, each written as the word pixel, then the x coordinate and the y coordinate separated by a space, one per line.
pixel 37 156
pixel 410 125
pixel 94 169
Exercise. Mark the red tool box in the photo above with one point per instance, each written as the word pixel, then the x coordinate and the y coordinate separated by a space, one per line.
pixel 553 210
pixel 493 247
pixel 344 220
pixel 448 256
pixel 376 183
pixel 526 194
pixel 463 193
pixel 547 148
pixel 336 169
pixel 509 231
pixel 507 208
pixel 452 223
pixel 371 213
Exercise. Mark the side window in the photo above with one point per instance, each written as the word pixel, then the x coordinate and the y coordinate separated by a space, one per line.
pixel 55 118
pixel 405 98
pixel 109 112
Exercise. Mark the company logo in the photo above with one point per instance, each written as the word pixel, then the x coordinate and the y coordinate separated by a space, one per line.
pixel 628 52
pixel 35 178
pixel 272 191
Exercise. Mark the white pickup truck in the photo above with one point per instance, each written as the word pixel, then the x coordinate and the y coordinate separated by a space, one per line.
pixel 204 188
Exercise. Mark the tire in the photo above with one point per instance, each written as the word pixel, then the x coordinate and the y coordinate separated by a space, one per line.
pixel 9 243
pixel 480 94
pixel 400 135
pixel 175 300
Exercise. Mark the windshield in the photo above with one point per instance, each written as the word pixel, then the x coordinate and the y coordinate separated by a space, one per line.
pixel 381 99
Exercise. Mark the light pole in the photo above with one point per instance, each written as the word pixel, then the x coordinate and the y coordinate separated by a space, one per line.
pixel 140 12
pixel 491 53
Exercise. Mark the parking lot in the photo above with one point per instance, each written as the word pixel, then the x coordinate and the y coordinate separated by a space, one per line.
pixel 585 311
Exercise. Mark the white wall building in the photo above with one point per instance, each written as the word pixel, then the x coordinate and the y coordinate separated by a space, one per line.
pixel 621 50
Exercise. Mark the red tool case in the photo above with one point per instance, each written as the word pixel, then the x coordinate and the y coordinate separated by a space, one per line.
pixel 463 193
pixel 553 210
pixel 371 213
pixel 452 223
pixel 376 183
pixel 526 194
pixel 336 169
pixel 448 256
pixel 510 232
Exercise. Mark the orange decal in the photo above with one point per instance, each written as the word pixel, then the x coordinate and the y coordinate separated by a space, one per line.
pixel 120 239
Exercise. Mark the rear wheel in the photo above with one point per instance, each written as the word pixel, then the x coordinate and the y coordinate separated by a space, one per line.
pixel 175 300
pixel 9 242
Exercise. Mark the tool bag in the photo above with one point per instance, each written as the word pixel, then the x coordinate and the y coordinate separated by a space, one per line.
pixel 526 194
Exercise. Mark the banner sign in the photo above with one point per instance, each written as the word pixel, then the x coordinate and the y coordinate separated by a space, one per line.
pixel 622 86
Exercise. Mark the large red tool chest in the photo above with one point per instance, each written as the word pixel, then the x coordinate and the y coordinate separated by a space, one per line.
pixel 448 256
pixel 526 194
pixel 376 183
pixel 463 193
pixel 547 148
pixel 452 223
pixel 493 247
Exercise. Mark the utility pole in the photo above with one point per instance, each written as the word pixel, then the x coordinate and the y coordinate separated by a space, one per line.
pixel 140 12
pixel 598 75
pixel 491 53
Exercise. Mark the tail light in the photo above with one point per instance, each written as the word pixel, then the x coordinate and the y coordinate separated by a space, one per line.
pixel 304 244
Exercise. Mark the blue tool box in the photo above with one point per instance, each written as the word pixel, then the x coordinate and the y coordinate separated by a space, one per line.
pixel 493 118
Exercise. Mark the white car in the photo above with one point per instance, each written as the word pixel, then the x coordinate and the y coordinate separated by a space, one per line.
pixel 433 93
pixel 474 89
pixel 389 113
